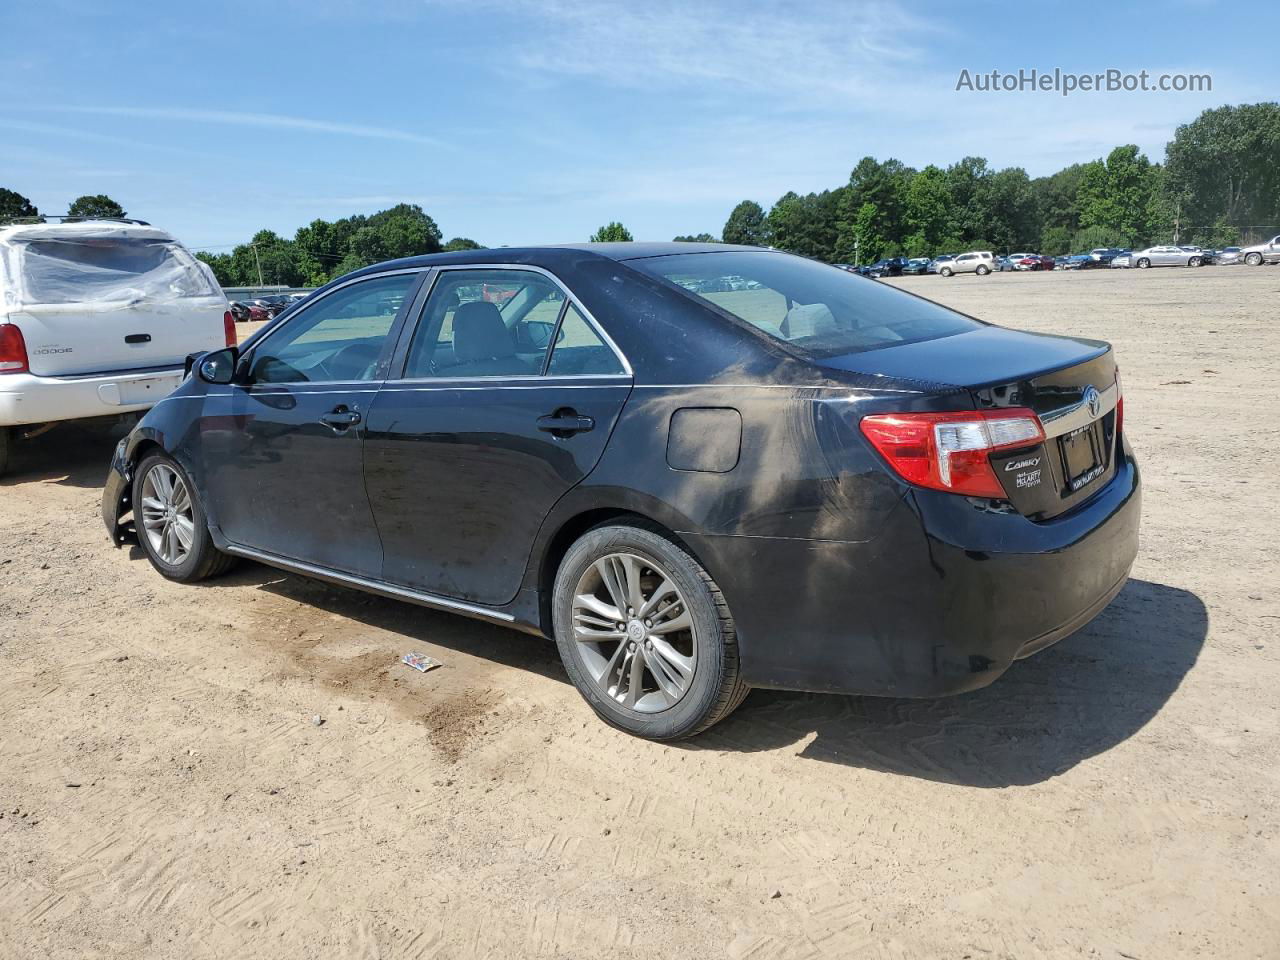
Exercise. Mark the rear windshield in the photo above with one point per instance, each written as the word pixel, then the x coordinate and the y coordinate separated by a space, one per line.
pixel 110 269
pixel 820 310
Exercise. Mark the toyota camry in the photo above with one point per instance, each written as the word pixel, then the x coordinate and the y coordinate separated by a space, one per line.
pixel 795 478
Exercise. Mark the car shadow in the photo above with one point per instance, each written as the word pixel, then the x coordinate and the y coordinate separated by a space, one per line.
pixel 74 454
pixel 476 638
pixel 1048 713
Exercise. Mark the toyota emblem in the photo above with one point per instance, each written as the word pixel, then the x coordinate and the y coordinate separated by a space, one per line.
pixel 1092 400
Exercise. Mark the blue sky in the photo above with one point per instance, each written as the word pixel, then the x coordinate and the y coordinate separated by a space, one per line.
pixel 533 121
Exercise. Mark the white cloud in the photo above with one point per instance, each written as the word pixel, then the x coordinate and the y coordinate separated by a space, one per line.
pixel 273 121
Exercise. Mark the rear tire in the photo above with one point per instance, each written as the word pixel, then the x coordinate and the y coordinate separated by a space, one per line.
pixel 1144 263
pixel 171 524
pixel 982 271
pixel 663 670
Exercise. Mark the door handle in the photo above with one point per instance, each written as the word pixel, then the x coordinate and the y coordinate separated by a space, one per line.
pixel 340 418
pixel 565 422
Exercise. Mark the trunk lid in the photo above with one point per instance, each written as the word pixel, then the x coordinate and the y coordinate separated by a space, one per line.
pixel 1070 383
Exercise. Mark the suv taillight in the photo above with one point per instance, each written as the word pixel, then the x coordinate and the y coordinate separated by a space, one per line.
pixel 951 451
pixel 229 328
pixel 13 350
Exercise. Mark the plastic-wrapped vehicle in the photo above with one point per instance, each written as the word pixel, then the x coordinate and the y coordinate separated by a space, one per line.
pixel 96 320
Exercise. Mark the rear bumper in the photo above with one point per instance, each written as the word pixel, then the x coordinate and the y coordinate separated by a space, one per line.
pixel 942 601
pixel 27 398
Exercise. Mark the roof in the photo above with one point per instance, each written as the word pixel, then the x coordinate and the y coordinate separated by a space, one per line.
pixel 81 230
pixel 554 255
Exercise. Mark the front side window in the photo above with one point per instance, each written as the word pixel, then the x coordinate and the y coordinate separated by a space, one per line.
pixel 339 337
pixel 818 309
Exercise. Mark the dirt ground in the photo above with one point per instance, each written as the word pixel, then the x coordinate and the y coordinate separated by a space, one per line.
pixel 166 792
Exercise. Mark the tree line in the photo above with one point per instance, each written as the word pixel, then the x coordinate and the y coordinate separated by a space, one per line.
pixel 1221 172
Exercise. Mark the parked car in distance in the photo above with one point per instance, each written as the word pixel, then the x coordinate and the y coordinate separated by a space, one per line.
pixel 916 266
pixel 1121 261
pixel 888 267
pixel 589 484
pixel 1268 252
pixel 1005 265
pixel 96 318
pixel 1166 256
pixel 1229 255
pixel 1105 255
pixel 980 262
pixel 239 312
pixel 935 265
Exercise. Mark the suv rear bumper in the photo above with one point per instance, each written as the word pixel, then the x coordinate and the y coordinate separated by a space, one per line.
pixel 28 398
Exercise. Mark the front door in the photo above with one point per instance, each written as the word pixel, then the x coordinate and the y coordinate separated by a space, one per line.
pixel 283 450
pixel 508 396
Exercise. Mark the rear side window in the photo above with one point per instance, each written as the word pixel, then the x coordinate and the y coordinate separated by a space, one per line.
pixel 110 269
pixel 820 310
pixel 579 350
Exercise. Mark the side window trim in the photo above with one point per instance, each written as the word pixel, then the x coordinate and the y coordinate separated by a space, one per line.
pixel 390 342
pixel 413 322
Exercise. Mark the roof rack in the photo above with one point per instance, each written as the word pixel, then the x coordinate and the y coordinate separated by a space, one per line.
pixel 67 218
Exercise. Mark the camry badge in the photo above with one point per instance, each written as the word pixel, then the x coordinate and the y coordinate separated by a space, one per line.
pixel 1092 400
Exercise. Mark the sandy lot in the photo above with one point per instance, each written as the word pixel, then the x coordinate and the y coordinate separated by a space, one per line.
pixel 164 791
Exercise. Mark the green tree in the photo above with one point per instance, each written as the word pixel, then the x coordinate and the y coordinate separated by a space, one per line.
pixel 883 188
pixel 612 232
pixel 805 225
pixel 1117 198
pixel 98 205
pixel 1222 167
pixel 927 214
pixel 13 204
pixel 270 257
pixel 967 181
pixel 746 225
pixel 461 243
pixel 1008 210
pixel 223 267
pixel 695 238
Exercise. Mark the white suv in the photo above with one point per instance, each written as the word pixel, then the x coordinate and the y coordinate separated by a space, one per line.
pixel 96 319
pixel 980 262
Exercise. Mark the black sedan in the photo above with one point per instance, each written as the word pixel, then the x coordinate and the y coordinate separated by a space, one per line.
pixel 799 479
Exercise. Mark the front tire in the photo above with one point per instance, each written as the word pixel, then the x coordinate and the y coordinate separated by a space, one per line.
pixel 645 634
pixel 1194 262
pixel 946 271
pixel 171 525
pixel 1253 259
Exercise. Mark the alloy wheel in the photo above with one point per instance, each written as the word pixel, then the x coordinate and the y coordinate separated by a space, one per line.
pixel 168 515
pixel 634 632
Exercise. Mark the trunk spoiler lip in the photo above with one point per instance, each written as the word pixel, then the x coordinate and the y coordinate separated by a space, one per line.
pixel 863 363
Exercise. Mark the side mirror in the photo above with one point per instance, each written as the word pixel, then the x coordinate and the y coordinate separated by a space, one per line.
pixel 218 366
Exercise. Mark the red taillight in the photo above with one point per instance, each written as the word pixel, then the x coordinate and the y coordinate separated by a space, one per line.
pixel 1119 404
pixel 229 328
pixel 13 350
pixel 951 451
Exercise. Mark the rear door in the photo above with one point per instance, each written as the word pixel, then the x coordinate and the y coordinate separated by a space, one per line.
pixel 508 395
pixel 106 304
